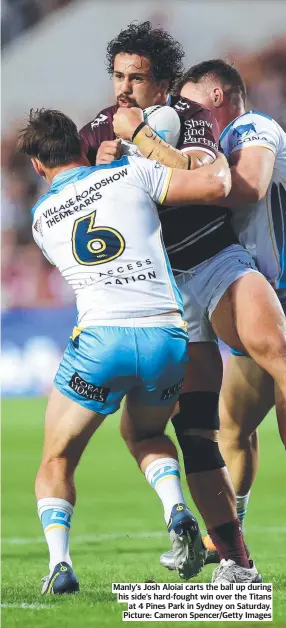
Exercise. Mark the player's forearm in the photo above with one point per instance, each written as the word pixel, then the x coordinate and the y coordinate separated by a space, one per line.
pixel 206 185
pixel 245 189
pixel 153 147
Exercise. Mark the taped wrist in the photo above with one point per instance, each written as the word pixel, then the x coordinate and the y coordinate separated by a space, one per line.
pixel 153 147
pixel 198 411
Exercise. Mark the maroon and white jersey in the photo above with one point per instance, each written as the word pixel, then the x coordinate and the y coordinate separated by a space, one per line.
pixel 191 235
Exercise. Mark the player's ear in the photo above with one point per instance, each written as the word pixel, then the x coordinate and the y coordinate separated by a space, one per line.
pixel 217 96
pixel 38 167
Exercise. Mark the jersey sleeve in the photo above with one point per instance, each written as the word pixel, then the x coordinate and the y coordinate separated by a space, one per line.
pixel 100 129
pixel 153 177
pixel 251 129
pixel 199 130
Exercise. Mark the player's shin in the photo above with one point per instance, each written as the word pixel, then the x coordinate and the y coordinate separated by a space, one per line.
pixel 196 427
pixel 207 476
pixel 55 515
pixel 163 475
pixel 188 552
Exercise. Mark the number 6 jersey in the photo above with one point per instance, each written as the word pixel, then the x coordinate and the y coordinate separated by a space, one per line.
pixel 99 225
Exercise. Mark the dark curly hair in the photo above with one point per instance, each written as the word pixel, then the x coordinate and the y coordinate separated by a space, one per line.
pixel 164 53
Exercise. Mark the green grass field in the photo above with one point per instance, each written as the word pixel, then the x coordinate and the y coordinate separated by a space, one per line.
pixel 118 530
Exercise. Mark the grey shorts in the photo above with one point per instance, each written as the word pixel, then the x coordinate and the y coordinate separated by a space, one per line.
pixel 203 286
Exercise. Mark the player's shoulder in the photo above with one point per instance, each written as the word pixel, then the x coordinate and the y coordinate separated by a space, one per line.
pixel 103 118
pixel 40 202
pixel 249 122
pixel 59 184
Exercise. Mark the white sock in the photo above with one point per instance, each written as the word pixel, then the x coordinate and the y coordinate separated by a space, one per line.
pixel 164 476
pixel 241 506
pixel 55 515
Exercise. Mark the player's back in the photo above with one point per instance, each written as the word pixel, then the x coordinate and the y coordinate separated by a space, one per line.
pixel 261 226
pixel 100 227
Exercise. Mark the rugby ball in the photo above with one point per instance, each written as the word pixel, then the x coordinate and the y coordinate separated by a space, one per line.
pixel 164 121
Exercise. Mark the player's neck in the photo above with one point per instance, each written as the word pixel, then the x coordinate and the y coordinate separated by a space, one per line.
pixel 51 173
pixel 226 116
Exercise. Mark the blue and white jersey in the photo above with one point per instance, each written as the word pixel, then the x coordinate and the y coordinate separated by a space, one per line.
pixel 260 227
pixel 99 225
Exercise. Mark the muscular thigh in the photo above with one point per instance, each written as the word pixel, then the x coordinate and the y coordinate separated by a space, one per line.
pixel 68 426
pixel 246 396
pixel 204 368
pixel 249 316
pixel 139 421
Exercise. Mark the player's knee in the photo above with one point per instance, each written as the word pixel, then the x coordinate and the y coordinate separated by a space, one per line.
pixel 57 466
pixel 196 425
pixel 235 435
pixel 270 346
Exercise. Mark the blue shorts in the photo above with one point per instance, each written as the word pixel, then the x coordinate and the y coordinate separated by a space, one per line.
pixel 103 364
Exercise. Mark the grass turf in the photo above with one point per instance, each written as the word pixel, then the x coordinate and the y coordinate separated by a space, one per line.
pixel 117 531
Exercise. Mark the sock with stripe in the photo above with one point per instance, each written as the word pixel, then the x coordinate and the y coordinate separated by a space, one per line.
pixel 55 515
pixel 164 476
pixel 229 542
pixel 241 506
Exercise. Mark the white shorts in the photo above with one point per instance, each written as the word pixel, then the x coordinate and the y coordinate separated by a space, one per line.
pixel 203 286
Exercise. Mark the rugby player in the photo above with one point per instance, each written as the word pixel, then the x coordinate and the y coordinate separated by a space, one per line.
pixel 256 148
pixel 141 60
pixel 100 227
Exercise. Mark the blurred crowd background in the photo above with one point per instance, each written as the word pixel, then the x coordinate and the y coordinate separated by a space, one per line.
pixel 51 47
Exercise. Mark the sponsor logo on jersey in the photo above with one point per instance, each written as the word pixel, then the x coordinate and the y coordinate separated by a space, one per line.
pixel 252 138
pixel 244 129
pixel 182 105
pixel 55 214
pixel 88 390
pixel 195 132
pixel 101 119
pixel 168 393
pixel 200 140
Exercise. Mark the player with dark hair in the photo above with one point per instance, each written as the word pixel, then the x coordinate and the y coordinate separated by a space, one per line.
pixel 96 224
pixel 258 201
pixel 164 53
pixel 190 241
pixel 215 291
pixel 145 63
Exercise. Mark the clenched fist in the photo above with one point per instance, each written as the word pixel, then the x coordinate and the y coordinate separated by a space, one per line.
pixel 108 151
pixel 126 121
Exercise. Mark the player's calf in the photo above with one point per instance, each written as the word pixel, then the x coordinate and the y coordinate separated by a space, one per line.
pixel 68 428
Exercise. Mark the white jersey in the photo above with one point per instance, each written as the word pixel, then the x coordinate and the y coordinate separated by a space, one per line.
pixel 99 225
pixel 261 226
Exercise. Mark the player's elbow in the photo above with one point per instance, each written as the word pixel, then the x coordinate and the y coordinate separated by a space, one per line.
pixel 219 187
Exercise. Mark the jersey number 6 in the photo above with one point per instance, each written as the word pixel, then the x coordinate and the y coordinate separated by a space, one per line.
pixel 95 245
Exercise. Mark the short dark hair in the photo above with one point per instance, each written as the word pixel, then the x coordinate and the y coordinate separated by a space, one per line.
pixel 51 136
pixel 228 75
pixel 164 53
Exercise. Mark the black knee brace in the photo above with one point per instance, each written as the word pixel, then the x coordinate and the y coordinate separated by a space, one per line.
pixel 198 410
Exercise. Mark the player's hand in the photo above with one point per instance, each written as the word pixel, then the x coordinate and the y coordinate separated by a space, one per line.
pixel 108 151
pixel 126 121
